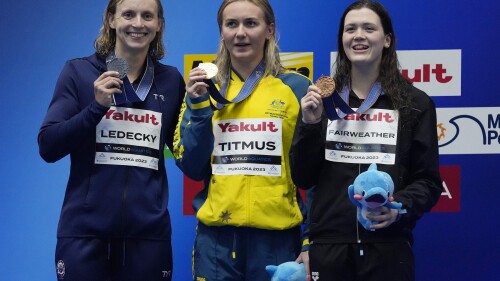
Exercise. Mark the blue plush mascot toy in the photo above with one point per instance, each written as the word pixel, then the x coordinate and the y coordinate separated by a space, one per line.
pixel 372 189
pixel 287 271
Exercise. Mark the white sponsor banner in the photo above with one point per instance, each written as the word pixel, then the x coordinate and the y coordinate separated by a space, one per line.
pixel 468 130
pixel 436 72
pixel 129 137
pixel 370 137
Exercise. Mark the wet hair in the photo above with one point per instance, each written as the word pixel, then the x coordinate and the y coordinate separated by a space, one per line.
pixel 271 49
pixel 105 43
pixel 392 81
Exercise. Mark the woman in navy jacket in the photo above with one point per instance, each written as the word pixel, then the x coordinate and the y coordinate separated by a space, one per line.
pixel 113 112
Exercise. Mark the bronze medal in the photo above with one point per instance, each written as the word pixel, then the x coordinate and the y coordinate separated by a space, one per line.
pixel 326 84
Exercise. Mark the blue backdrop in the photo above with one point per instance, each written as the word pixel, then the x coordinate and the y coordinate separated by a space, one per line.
pixel 39 36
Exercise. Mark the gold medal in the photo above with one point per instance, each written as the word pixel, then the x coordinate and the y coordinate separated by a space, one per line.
pixel 209 68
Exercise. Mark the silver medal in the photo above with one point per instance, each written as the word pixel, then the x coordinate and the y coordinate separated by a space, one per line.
pixel 119 65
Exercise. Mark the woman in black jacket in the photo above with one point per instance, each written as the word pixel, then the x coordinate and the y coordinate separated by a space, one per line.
pixel 388 122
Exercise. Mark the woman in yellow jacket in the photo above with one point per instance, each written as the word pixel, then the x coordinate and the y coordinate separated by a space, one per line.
pixel 248 212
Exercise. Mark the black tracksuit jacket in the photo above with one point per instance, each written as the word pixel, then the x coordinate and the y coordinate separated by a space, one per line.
pixel 415 174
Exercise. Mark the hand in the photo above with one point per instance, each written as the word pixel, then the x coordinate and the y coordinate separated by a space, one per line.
pixel 383 215
pixel 311 105
pixel 106 86
pixel 195 86
pixel 304 258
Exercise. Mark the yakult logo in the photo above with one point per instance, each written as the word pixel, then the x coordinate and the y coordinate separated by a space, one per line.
pixel 377 117
pixel 125 115
pixel 264 126
pixel 436 72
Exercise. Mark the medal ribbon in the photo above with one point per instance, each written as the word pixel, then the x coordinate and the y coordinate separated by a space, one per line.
pixel 246 90
pixel 339 100
pixel 128 91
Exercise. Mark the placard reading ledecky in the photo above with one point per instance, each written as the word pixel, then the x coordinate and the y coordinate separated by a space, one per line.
pixel 364 138
pixel 251 146
pixel 129 137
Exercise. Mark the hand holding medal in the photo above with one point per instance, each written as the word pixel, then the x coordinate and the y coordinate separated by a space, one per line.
pixel 108 84
pixel 336 105
pixel 209 71
pixel 326 84
pixel 312 102
pixel 209 68
pixel 199 78
pixel 119 65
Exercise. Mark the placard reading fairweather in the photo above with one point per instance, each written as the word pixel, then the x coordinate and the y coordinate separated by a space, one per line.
pixel 364 138
pixel 129 137
pixel 250 146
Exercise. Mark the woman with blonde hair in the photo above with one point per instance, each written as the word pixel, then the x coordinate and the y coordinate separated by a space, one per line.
pixel 248 212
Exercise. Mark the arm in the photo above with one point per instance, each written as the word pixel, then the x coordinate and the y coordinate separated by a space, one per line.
pixel 308 144
pixel 194 139
pixel 423 182
pixel 67 125
pixel 306 153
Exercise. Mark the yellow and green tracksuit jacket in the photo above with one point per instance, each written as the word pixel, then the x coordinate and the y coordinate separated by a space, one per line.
pixel 260 201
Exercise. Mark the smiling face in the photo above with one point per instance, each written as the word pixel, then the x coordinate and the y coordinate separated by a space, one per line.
pixel 363 38
pixel 136 24
pixel 244 32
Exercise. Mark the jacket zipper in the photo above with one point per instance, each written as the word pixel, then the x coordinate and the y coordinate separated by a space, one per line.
pixel 124 213
pixel 358 240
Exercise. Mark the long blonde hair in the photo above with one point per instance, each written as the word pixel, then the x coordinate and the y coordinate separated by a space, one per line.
pixel 105 43
pixel 271 49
